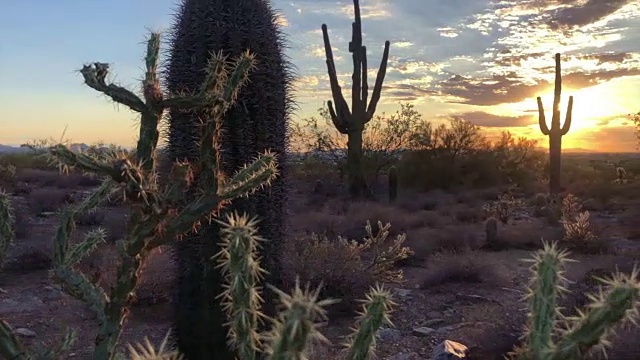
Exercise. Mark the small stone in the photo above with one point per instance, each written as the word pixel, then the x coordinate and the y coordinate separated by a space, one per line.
pixel 24 332
pixel 449 350
pixel 400 356
pixel 403 292
pixel 423 331
pixel 390 335
pixel 432 322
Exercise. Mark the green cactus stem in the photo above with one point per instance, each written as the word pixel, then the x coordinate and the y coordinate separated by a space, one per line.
pixel 615 304
pixel 352 122
pixel 555 132
pixel 375 314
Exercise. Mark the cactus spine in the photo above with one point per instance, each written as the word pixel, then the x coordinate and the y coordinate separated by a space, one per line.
pixel 393 184
pixel 556 131
pixel 257 122
pixel 352 122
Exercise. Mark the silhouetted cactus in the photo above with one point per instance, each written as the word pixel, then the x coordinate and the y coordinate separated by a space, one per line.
pixel 555 132
pixel 158 215
pixel 257 122
pixel 352 122
pixel 550 336
pixel 393 184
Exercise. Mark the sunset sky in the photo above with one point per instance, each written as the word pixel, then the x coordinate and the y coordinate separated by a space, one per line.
pixel 483 60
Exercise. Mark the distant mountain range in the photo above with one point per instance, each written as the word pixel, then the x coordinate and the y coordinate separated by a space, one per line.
pixel 19 149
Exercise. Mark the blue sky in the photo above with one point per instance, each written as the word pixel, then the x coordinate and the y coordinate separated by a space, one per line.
pixel 482 60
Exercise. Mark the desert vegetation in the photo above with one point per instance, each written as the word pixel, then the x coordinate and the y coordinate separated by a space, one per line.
pixel 344 235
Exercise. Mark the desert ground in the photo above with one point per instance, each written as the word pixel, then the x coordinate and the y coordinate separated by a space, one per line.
pixel 456 287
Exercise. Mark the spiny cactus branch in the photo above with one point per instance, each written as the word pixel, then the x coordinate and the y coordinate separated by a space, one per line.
pixel 375 313
pixel 297 324
pixel 617 305
pixel 95 77
pixel 238 260
pixel 10 345
pixel 7 235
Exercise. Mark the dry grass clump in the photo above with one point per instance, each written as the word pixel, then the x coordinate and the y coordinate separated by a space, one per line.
pixel 469 266
pixel 48 199
pixel 345 268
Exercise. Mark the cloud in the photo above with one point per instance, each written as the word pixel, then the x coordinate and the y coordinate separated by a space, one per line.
pixel 583 14
pixel 485 119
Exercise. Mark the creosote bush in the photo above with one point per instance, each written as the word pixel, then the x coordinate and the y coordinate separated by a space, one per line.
pixel 346 268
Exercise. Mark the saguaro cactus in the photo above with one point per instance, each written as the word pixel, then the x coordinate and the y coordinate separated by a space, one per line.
pixel 256 122
pixel 556 131
pixel 352 122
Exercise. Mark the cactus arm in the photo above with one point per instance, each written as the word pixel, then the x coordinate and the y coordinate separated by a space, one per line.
pixel 607 309
pixel 375 313
pixel 541 118
pixel 334 119
pixel 241 269
pixel 95 75
pixel 364 96
pixel 341 108
pixel 377 88
pixel 251 177
pixel 355 47
pixel 10 346
pixel 567 121
pixel 543 295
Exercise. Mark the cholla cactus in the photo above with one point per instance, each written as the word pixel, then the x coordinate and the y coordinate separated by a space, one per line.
pixel 620 175
pixel 7 172
pixel 502 209
pixel 7 234
pixel 159 215
pixel 576 336
pixel 579 229
pixel 571 207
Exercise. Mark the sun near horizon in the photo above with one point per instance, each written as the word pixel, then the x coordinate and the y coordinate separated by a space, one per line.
pixel 472 64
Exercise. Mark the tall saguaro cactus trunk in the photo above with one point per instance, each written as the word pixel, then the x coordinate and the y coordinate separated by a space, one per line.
pixel 556 132
pixel 257 122
pixel 352 122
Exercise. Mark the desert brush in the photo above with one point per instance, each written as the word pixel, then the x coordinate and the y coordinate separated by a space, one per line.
pixel 549 335
pixel 158 215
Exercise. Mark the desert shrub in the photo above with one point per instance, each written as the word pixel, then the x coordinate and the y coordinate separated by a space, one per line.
pixel 93 218
pixel 504 208
pixel 459 155
pixel 48 200
pixel 461 267
pixel 25 160
pixel 345 268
